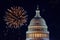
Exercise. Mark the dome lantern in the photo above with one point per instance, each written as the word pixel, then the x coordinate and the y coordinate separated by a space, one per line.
pixel 37 12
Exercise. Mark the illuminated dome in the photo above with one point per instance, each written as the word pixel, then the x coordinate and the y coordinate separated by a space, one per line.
pixel 37 20
pixel 37 29
pixel 37 23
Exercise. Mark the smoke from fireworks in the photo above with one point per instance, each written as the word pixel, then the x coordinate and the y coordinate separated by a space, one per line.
pixel 15 17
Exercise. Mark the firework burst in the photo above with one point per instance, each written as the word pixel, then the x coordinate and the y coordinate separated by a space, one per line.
pixel 15 17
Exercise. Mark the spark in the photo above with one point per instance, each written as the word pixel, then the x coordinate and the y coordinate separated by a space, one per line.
pixel 15 17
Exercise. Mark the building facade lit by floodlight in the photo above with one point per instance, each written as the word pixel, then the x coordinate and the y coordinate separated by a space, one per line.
pixel 37 29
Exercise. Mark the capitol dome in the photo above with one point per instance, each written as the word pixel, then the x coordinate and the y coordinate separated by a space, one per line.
pixel 37 29
pixel 37 21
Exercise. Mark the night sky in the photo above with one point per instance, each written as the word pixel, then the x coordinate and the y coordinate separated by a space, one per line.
pixel 50 11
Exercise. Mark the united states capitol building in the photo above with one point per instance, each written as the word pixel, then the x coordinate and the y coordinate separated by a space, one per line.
pixel 37 29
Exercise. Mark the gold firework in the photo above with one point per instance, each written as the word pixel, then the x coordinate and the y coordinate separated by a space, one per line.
pixel 15 17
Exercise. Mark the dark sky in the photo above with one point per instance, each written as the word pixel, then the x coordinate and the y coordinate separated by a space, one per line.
pixel 50 11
